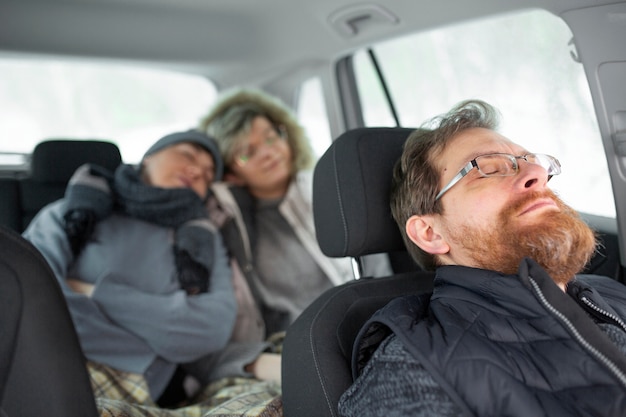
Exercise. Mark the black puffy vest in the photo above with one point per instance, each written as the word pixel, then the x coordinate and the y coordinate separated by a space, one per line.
pixel 512 345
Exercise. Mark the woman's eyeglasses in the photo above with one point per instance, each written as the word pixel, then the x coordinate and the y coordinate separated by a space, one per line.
pixel 247 153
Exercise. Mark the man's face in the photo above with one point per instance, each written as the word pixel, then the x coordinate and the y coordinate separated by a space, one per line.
pixel 493 222
pixel 183 165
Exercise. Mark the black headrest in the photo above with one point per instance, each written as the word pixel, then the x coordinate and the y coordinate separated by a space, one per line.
pixel 55 160
pixel 351 186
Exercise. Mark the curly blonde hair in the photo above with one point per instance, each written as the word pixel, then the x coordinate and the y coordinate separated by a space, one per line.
pixel 231 118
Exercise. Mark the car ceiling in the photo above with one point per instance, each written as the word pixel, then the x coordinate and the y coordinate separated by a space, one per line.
pixel 231 40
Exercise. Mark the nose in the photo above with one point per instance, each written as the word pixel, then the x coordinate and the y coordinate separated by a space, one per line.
pixel 199 180
pixel 197 174
pixel 193 170
pixel 531 176
pixel 265 150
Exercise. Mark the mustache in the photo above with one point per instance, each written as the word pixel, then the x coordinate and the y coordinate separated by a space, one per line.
pixel 519 203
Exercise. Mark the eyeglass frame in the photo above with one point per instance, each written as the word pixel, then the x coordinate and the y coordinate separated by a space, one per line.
pixel 555 165
pixel 283 135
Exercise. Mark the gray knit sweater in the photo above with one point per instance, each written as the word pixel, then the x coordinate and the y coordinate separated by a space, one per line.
pixel 394 383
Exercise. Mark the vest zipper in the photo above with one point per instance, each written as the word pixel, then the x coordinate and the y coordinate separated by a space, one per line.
pixel 605 313
pixel 590 348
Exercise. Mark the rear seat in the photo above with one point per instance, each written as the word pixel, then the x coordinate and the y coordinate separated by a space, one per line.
pixel 52 165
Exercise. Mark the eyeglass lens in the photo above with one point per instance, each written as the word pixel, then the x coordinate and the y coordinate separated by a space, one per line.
pixel 249 152
pixel 505 164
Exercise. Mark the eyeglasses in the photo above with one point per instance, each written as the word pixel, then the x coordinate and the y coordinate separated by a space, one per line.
pixel 503 165
pixel 248 152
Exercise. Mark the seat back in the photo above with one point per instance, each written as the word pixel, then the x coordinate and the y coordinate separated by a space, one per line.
pixel 10 213
pixel 52 164
pixel 351 193
pixel 317 350
pixel 352 218
pixel 42 367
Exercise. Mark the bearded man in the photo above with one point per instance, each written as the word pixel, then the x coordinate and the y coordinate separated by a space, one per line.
pixel 510 329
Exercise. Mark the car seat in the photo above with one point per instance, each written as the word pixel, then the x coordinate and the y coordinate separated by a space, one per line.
pixel 42 367
pixel 352 218
pixel 52 164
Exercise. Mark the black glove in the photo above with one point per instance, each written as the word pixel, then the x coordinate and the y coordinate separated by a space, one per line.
pixel 192 276
pixel 194 248
pixel 79 225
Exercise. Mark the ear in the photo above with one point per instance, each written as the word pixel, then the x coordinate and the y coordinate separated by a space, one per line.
pixel 421 232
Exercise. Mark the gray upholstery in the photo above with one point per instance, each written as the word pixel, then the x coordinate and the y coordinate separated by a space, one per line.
pixel 10 212
pixel 352 218
pixel 55 160
pixel 42 367
pixel 52 164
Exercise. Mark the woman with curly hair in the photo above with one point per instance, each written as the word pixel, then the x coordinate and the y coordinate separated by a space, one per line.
pixel 265 203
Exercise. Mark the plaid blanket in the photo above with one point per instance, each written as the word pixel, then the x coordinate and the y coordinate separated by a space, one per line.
pixel 122 394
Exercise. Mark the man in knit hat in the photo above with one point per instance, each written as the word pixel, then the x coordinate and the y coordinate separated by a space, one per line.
pixel 144 272
pixel 180 146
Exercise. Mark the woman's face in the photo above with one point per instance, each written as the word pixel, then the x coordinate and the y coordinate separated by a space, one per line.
pixel 262 160
pixel 183 165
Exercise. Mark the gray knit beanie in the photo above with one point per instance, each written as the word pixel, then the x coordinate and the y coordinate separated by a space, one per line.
pixel 192 136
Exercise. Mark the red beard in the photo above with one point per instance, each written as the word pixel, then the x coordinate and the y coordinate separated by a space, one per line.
pixel 561 242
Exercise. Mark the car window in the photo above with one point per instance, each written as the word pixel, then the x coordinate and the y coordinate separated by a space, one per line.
pixel 311 112
pixel 525 65
pixel 131 106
